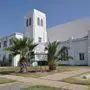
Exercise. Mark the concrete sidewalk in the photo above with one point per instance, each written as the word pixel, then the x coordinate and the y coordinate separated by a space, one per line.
pixel 13 86
pixel 36 81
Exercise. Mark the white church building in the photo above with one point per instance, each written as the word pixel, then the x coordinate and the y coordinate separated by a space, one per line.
pixel 74 34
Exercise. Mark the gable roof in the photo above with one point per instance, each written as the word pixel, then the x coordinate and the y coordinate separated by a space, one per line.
pixel 76 29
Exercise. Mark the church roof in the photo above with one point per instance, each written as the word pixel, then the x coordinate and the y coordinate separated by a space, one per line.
pixel 76 29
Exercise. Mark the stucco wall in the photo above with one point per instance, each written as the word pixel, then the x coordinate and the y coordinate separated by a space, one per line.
pixel 35 31
pixel 39 31
pixel 76 47
pixel 80 46
pixel 28 32
pixel 3 52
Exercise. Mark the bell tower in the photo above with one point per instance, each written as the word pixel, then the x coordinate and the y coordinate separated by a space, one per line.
pixel 35 26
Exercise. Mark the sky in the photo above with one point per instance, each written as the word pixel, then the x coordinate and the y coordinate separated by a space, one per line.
pixel 57 11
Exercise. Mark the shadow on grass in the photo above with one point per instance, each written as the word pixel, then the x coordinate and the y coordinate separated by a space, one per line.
pixel 14 72
pixel 7 72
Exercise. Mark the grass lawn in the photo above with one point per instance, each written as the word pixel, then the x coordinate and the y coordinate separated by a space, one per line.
pixel 5 80
pixel 38 71
pixel 74 80
pixel 8 70
pixel 43 73
pixel 40 88
pixel 78 80
pixel 88 87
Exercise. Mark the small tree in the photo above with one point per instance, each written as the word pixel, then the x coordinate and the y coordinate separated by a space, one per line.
pixel 23 47
pixel 52 48
pixel 54 55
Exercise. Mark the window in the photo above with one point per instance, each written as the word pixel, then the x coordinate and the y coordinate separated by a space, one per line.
pixel 4 57
pixel 39 39
pixel 0 44
pixel 10 41
pixel 38 21
pixel 4 43
pixel 26 22
pixel 41 22
pixel 10 57
pixel 81 56
pixel 29 21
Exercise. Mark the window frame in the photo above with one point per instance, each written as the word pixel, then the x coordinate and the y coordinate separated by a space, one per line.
pixel 81 56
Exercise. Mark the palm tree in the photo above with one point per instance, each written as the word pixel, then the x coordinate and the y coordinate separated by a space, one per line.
pixel 18 46
pixel 54 54
pixel 52 48
pixel 22 46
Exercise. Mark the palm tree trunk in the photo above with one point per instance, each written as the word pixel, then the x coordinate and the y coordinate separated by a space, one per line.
pixel 23 65
pixel 52 65
pixel 23 69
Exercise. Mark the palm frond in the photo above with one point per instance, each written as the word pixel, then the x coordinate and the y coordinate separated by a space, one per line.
pixel 63 54
pixel 52 48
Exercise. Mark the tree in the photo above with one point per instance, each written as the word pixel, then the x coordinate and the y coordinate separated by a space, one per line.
pixel 22 46
pixel 52 48
pixel 54 54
